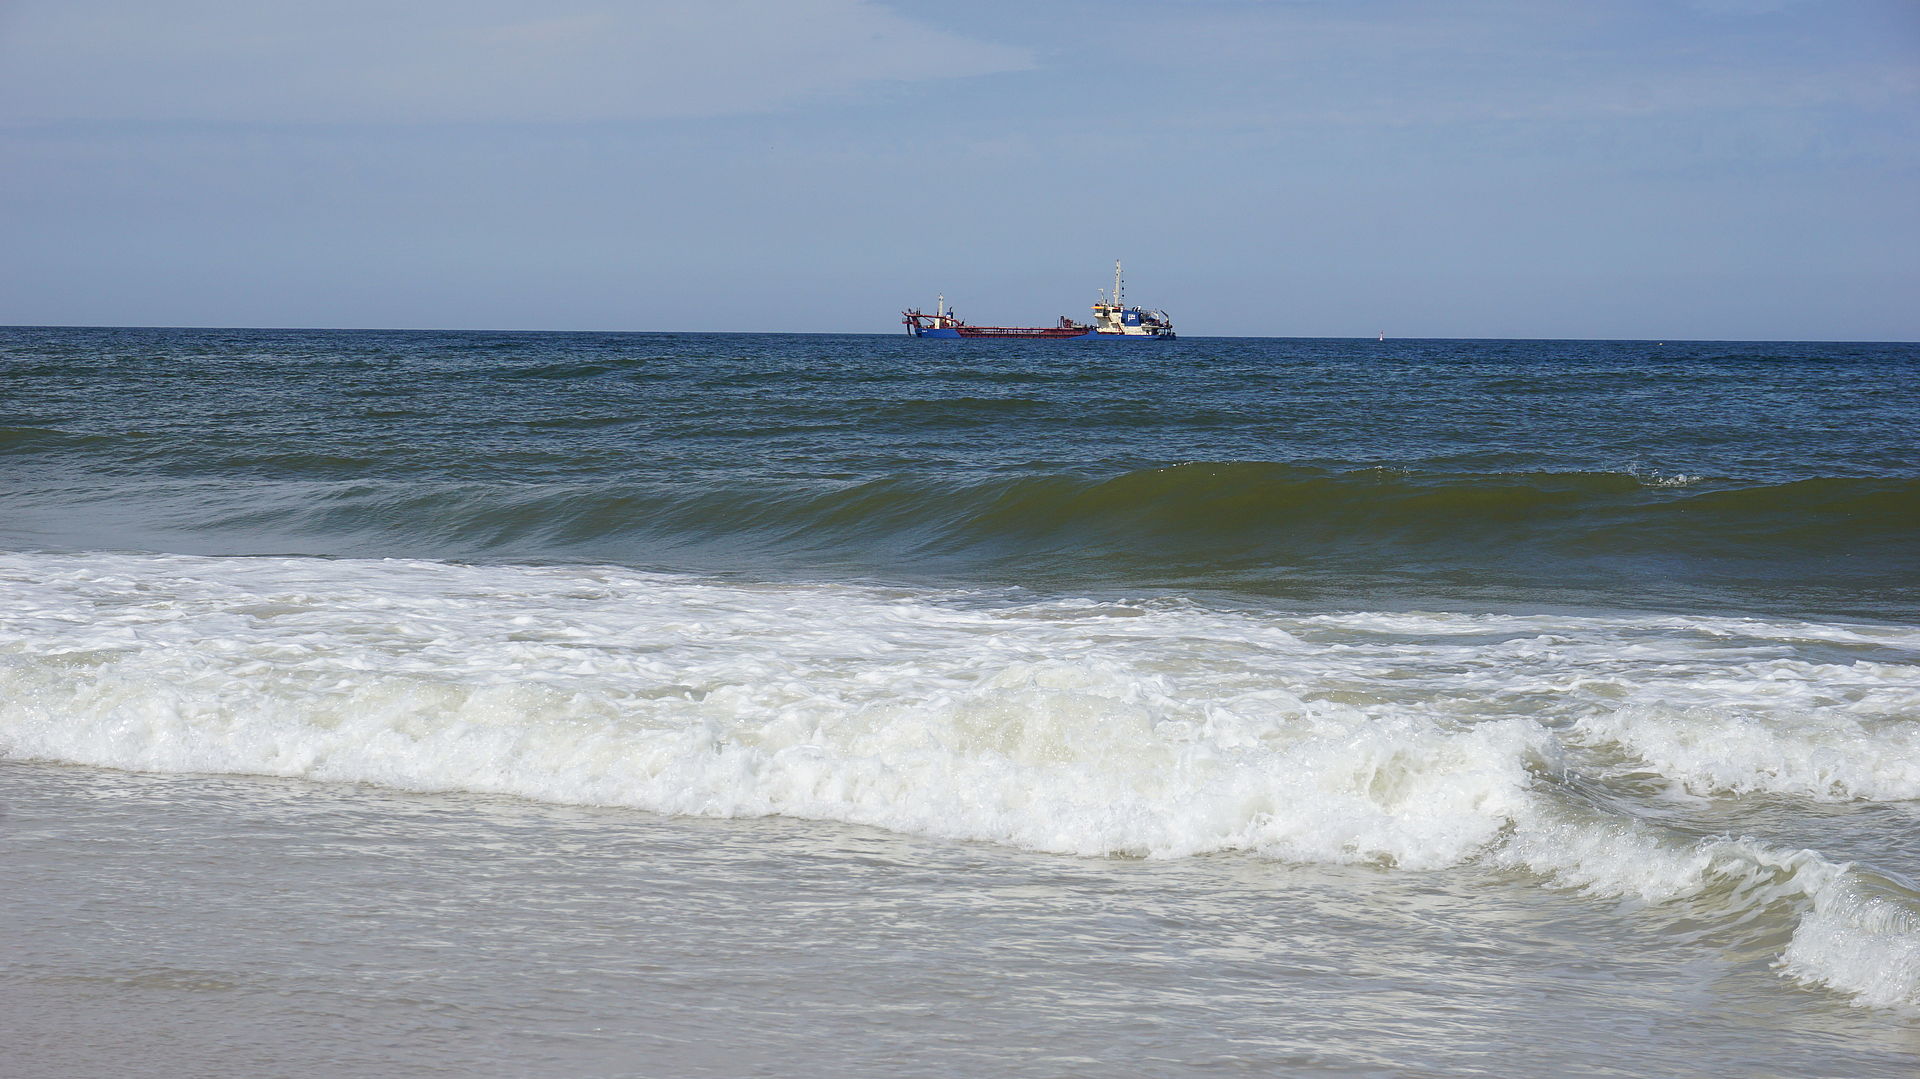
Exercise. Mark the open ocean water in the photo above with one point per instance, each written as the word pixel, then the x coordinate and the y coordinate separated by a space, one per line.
pixel 539 704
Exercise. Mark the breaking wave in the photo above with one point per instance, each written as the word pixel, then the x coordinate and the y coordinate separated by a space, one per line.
pixel 1836 544
pixel 1158 729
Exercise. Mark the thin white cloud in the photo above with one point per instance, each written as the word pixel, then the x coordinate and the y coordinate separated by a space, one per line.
pixel 352 61
pixel 1743 7
pixel 1501 61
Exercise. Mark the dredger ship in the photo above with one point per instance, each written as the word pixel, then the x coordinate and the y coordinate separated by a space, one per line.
pixel 1112 318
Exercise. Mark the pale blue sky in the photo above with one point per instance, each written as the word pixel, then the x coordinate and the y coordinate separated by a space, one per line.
pixel 1486 168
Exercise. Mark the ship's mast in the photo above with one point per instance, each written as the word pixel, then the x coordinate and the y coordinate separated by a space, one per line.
pixel 941 310
pixel 1116 282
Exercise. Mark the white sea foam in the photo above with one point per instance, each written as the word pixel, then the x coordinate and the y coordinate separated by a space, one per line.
pixel 1653 477
pixel 1820 753
pixel 1159 729
pixel 1765 718
pixel 1862 938
pixel 1857 933
pixel 1045 727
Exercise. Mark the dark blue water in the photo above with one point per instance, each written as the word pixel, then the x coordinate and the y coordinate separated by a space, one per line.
pixel 1713 476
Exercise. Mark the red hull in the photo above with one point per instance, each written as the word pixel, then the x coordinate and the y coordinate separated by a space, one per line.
pixel 1021 331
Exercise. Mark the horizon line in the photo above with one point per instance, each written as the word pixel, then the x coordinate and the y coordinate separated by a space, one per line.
pixel 867 333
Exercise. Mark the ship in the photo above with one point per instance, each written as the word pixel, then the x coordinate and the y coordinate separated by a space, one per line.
pixel 1112 319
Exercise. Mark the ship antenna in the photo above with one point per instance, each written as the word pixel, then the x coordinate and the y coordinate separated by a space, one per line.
pixel 1116 282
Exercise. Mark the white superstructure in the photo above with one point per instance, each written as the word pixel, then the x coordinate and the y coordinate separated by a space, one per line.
pixel 1112 316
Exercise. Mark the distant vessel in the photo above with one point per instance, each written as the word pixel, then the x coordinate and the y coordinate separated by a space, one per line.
pixel 1111 318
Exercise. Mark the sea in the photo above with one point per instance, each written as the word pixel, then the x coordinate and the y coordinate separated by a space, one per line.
pixel 411 703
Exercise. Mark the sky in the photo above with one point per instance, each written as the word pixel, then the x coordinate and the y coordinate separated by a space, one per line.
pixel 1686 169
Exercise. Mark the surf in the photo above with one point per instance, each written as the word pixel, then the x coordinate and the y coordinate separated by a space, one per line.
pixel 1152 728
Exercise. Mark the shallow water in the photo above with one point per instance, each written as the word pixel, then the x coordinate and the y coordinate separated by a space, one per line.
pixel 241 926
pixel 682 704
